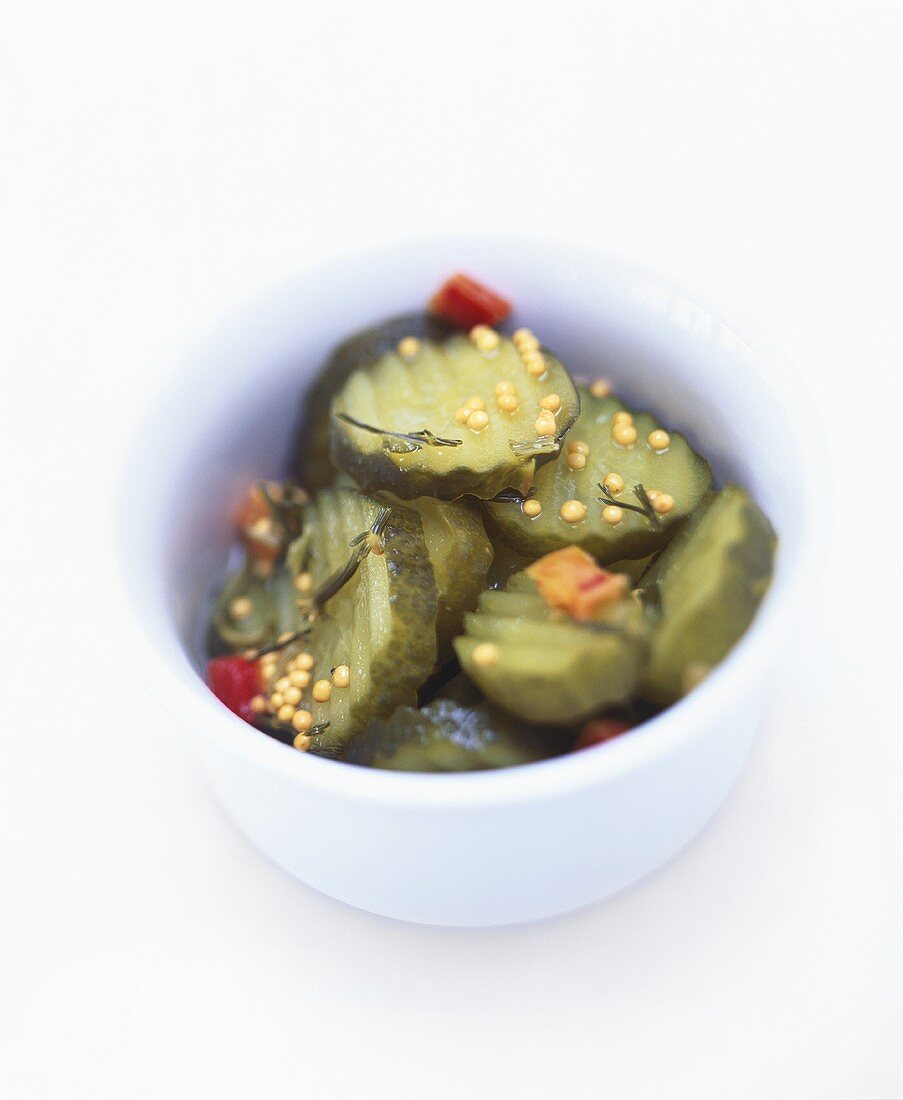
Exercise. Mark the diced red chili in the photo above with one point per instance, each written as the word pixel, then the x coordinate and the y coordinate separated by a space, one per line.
pixel 252 508
pixel 599 730
pixel 466 303
pixel 569 580
pixel 235 682
pixel 262 538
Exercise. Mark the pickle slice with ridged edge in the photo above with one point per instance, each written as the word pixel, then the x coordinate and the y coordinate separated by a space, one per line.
pixel 256 624
pixel 446 736
pixel 393 425
pixel 460 553
pixel 380 623
pixel 544 667
pixel 311 462
pixel 677 471
pixel 704 590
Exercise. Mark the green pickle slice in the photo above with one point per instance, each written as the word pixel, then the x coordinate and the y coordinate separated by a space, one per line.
pixel 380 624
pixel 704 590
pixel 460 553
pixel 545 667
pixel 313 466
pixel 396 423
pixel 448 736
pixel 675 470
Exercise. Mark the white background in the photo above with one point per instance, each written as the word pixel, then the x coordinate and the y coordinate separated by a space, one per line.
pixel 162 163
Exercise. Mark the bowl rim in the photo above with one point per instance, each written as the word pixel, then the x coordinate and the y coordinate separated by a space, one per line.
pixel 176 685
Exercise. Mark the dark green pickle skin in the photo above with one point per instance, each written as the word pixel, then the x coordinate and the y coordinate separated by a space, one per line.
pixel 449 736
pixel 310 458
pixel 703 592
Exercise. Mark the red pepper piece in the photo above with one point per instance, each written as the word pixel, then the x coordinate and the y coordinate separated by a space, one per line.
pixel 262 539
pixel 235 682
pixel 252 508
pixel 570 580
pixel 599 730
pixel 466 303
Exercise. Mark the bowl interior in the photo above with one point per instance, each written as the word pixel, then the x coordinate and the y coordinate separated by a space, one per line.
pixel 230 416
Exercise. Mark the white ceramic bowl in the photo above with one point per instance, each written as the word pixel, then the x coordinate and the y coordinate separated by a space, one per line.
pixel 495 847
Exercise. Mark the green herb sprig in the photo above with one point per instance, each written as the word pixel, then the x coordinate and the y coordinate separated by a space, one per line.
pixel 644 508
pixel 408 441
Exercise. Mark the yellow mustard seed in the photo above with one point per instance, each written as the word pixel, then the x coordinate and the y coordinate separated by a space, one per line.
pixel 301 742
pixel 478 421
pixel 485 653
pixel 576 460
pixel 622 417
pixel 408 347
pixel 341 676
pixel 663 503
pixel 551 402
pixel 614 483
pixel 600 388
pixel 286 712
pixel 624 434
pixel 544 424
pixel 302 720
pixel 531 508
pixel 304 661
pixel 578 447
pixel 612 514
pixel 474 403
pixel 535 363
pixel 659 440
pixel 322 691
pixel 572 511
pixel 304 583
pixel 298 678
pixel 507 402
pixel 241 607
pixel 262 527
pixel 461 415
pixel 484 338
pixel 292 696
pixel 258 704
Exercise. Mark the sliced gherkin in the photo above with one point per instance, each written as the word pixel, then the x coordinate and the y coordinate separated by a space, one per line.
pixel 675 470
pixel 311 462
pixel 544 667
pixel 398 424
pixel 244 615
pixel 505 563
pixel 380 623
pixel 704 590
pixel 448 736
pixel 460 553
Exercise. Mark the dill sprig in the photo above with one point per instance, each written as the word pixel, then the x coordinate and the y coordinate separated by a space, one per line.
pixel 644 508
pixel 287 640
pixel 412 441
pixel 539 446
pixel 362 544
pixel 512 496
